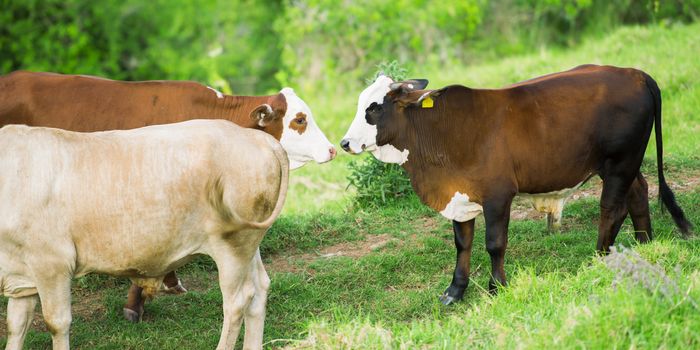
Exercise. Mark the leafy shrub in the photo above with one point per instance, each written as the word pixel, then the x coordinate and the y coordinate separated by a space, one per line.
pixel 226 44
pixel 377 183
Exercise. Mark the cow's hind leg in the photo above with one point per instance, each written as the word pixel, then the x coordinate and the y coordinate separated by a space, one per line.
pixel 497 216
pixel 638 206
pixel 464 236
pixel 20 312
pixel 613 210
pixel 554 216
pixel 172 284
pixel 255 313
pixel 237 288
pixel 133 310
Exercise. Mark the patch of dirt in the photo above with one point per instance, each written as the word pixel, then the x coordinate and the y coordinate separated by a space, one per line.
pixel 295 263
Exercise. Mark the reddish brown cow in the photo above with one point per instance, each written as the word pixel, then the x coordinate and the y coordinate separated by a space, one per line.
pixel 470 151
pixel 86 103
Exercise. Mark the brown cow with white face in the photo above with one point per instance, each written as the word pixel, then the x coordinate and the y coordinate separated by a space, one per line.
pixel 86 103
pixel 469 152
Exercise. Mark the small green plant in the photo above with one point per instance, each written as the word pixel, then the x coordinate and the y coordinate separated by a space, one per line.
pixel 377 183
pixel 392 69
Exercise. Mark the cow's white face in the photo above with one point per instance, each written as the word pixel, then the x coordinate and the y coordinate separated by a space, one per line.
pixel 301 137
pixel 361 136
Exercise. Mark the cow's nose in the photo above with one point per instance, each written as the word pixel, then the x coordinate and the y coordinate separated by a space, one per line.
pixel 345 144
pixel 333 152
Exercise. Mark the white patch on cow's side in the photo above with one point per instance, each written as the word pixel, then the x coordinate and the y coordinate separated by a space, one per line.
pixel 461 209
pixel 362 136
pixel 390 154
pixel 217 92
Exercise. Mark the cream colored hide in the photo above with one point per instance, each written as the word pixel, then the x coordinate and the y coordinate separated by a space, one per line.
pixel 136 203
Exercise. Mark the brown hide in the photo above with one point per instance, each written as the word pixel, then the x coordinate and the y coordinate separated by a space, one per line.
pixel 538 136
pixel 85 103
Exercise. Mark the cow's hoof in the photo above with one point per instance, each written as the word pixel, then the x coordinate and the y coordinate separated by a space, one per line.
pixel 448 300
pixel 131 315
pixel 178 289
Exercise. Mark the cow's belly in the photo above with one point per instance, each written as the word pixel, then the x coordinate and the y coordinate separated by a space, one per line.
pixel 140 246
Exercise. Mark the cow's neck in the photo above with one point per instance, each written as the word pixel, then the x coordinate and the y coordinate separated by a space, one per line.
pixel 438 168
pixel 237 109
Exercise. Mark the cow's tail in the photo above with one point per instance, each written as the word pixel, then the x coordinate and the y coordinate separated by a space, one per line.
pixel 283 161
pixel 666 196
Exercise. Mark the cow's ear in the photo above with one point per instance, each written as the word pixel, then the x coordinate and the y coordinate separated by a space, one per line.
pixel 419 84
pixel 262 114
pixel 407 86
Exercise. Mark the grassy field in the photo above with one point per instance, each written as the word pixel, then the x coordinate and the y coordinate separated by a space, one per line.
pixel 345 278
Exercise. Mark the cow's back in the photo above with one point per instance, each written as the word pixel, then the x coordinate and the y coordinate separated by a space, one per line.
pixel 137 202
pixel 581 115
pixel 86 103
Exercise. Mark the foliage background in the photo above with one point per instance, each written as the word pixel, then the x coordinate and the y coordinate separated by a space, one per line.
pixel 253 47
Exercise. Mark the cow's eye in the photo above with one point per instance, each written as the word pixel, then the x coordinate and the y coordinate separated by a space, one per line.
pixel 300 121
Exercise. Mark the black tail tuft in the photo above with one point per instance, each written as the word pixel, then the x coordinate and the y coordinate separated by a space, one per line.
pixel 666 196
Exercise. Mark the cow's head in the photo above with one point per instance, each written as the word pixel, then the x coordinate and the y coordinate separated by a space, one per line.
pixel 301 137
pixel 362 135
pixel 390 120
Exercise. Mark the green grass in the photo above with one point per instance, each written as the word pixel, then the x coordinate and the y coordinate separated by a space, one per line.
pixel 560 295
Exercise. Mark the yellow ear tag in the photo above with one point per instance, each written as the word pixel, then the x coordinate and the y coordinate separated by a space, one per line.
pixel 427 102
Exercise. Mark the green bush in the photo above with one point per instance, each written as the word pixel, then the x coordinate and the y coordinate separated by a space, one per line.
pixel 226 44
pixel 377 183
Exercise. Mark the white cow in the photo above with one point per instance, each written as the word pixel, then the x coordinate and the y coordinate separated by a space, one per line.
pixel 136 203
pixel 361 136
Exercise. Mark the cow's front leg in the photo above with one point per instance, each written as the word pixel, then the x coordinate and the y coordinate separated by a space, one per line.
pixel 464 236
pixel 20 312
pixel 497 216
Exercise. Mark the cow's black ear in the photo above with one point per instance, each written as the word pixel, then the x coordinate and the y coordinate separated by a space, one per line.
pixel 262 114
pixel 407 86
pixel 418 84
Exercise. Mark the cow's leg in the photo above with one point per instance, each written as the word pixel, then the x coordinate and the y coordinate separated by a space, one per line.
pixel 554 217
pixel 133 310
pixel 54 294
pixel 255 313
pixel 464 236
pixel 497 216
pixel 20 312
pixel 613 210
pixel 638 206
pixel 173 285
pixel 237 288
